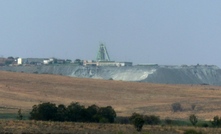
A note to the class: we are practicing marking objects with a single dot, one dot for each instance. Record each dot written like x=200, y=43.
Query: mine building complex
x=103, y=59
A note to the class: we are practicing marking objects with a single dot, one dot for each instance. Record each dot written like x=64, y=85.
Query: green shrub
x=216, y=121
x=108, y=113
x=152, y=120
x=193, y=119
x=176, y=107
x=205, y=125
x=103, y=120
x=137, y=120
x=168, y=121
x=19, y=116
x=138, y=123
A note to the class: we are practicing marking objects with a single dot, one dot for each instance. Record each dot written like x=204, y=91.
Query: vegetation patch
x=73, y=112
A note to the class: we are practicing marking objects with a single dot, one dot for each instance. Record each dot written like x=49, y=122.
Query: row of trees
x=216, y=122
x=73, y=112
x=138, y=120
x=79, y=113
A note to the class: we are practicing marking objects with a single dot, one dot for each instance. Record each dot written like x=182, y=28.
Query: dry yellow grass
x=41, y=127
x=20, y=90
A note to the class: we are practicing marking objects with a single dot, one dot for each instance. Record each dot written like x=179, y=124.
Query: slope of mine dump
x=199, y=74
x=22, y=90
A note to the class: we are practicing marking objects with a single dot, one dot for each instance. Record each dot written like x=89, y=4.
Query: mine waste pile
x=195, y=74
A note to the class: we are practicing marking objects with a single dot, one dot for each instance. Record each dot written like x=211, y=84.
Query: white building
x=48, y=61
x=19, y=61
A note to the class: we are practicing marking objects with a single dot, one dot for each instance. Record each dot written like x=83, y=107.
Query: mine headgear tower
x=102, y=54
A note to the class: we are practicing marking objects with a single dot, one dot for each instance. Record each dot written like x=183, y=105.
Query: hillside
x=21, y=90
x=194, y=74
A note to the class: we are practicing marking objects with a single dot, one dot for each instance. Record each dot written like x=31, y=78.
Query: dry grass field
x=20, y=90
x=41, y=127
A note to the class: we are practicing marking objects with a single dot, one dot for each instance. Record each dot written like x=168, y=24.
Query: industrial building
x=103, y=59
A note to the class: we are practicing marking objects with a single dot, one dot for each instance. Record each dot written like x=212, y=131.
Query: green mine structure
x=102, y=54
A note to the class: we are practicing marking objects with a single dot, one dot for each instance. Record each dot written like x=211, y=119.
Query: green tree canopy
x=137, y=120
x=73, y=112
x=45, y=111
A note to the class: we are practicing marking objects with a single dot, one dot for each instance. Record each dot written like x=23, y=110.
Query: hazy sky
x=142, y=31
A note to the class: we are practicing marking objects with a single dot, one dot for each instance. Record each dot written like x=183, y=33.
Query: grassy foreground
x=41, y=127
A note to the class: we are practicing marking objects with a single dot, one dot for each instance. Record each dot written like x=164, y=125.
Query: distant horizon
x=134, y=63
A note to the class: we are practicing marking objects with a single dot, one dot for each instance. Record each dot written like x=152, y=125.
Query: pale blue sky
x=142, y=31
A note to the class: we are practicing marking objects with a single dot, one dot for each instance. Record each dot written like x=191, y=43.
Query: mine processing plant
x=103, y=59
x=102, y=54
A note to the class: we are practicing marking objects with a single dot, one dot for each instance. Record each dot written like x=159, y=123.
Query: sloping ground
x=21, y=90
x=199, y=74
x=186, y=75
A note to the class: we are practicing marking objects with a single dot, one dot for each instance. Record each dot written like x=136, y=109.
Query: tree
x=20, y=116
x=34, y=114
x=108, y=113
x=75, y=112
x=138, y=123
x=9, y=60
x=91, y=113
x=61, y=113
x=45, y=112
x=216, y=121
x=137, y=120
x=193, y=119
x=176, y=107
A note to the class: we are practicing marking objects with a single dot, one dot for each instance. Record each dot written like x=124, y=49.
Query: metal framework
x=102, y=54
